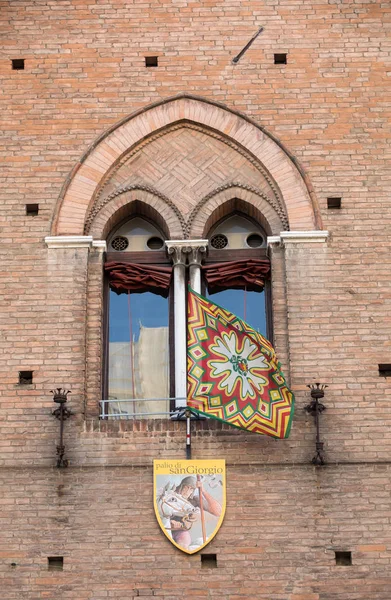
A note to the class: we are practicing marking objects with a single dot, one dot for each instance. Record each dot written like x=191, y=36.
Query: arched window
x=236, y=241
x=137, y=365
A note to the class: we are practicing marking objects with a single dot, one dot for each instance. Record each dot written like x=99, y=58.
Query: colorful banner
x=233, y=372
x=189, y=500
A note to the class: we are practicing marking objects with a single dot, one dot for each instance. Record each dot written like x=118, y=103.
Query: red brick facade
x=93, y=135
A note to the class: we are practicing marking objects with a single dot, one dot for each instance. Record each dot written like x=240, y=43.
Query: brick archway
x=87, y=176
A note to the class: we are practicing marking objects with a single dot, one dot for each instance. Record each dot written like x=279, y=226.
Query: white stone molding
x=298, y=237
x=273, y=239
x=69, y=241
x=75, y=241
x=99, y=245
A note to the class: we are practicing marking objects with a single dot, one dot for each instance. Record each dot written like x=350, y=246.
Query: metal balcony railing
x=143, y=408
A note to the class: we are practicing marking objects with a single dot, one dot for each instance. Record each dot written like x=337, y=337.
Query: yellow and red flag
x=233, y=372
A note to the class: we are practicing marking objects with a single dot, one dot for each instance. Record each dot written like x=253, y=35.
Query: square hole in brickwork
x=151, y=61
x=343, y=559
x=32, y=210
x=280, y=59
x=385, y=370
x=55, y=563
x=25, y=377
x=334, y=202
x=17, y=64
x=209, y=561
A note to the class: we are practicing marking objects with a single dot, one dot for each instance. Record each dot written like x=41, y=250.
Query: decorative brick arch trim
x=144, y=201
x=85, y=178
x=128, y=156
x=235, y=197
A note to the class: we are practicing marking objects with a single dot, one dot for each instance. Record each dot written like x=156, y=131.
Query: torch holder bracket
x=66, y=413
x=315, y=406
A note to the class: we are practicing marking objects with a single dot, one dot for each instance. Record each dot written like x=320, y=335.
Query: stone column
x=197, y=252
x=182, y=252
x=177, y=251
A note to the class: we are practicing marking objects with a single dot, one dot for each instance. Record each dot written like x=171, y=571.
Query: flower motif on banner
x=233, y=372
x=238, y=369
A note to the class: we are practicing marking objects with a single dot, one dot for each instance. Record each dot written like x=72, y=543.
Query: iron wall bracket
x=315, y=408
x=62, y=413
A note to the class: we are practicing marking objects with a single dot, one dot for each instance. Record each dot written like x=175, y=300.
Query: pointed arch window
x=237, y=271
x=137, y=357
x=139, y=366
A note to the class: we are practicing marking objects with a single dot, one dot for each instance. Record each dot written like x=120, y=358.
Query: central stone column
x=180, y=251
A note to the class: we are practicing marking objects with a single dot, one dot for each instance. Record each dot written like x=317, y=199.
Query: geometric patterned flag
x=233, y=372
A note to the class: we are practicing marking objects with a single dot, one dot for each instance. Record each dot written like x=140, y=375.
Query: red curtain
x=238, y=274
x=131, y=277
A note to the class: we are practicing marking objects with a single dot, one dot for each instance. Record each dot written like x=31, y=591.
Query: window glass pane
x=248, y=306
x=138, y=353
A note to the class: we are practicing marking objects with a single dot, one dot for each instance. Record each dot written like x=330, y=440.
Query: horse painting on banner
x=173, y=507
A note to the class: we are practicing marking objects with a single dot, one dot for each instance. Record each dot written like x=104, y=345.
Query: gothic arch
x=139, y=200
x=86, y=179
x=230, y=198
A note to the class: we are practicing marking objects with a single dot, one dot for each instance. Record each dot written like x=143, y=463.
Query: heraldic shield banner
x=189, y=500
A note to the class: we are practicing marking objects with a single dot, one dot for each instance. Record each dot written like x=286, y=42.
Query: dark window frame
x=150, y=257
x=226, y=255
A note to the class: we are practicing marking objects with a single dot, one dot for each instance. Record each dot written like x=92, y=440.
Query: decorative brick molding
x=105, y=154
x=123, y=168
x=120, y=204
x=235, y=196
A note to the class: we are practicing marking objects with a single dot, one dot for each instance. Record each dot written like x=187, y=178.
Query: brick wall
x=84, y=72
x=277, y=541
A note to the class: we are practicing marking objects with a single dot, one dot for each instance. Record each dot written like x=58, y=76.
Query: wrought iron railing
x=142, y=408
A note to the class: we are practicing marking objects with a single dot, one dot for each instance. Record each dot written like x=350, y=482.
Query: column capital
x=177, y=251
x=186, y=251
x=198, y=250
